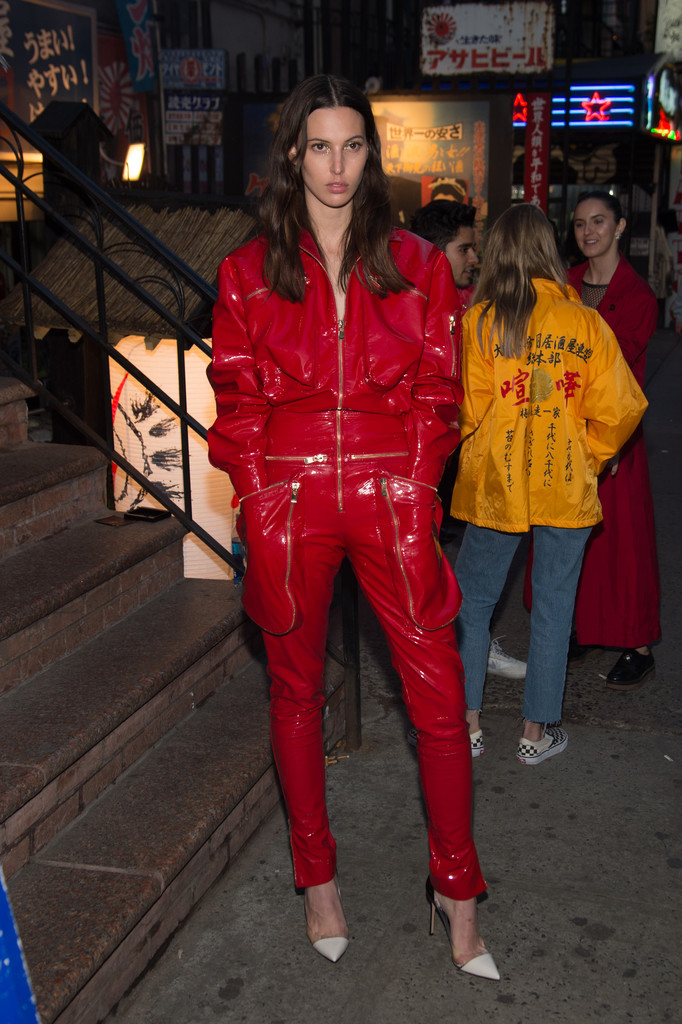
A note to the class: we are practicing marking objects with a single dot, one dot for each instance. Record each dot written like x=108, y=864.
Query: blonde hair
x=520, y=246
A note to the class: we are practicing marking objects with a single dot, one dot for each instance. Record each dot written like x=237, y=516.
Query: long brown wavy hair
x=282, y=208
x=520, y=246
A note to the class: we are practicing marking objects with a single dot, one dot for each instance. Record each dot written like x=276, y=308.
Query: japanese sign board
x=135, y=17
x=193, y=69
x=537, y=150
x=194, y=119
x=50, y=49
x=506, y=38
x=435, y=150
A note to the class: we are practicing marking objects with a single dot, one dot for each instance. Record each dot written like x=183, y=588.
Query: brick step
x=97, y=904
x=59, y=593
x=70, y=731
x=13, y=412
x=44, y=487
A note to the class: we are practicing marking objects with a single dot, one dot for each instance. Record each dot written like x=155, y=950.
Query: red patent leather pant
x=342, y=515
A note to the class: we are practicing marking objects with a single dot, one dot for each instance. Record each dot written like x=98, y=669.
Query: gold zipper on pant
x=294, y=498
x=387, y=496
x=399, y=553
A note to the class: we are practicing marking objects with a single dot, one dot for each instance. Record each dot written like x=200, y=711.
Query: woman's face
x=334, y=158
x=596, y=228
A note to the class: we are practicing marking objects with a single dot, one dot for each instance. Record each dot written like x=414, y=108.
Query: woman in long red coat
x=618, y=599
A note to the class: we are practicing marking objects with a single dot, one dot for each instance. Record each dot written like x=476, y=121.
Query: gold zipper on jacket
x=307, y=460
x=377, y=455
x=453, y=329
x=339, y=489
x=340, y=337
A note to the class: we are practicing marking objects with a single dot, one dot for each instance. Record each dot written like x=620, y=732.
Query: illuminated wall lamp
x=132, y=165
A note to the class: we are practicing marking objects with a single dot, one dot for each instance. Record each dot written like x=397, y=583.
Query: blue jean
x=481, y=569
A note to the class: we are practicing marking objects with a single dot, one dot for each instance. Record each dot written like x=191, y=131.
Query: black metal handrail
x=95, y=206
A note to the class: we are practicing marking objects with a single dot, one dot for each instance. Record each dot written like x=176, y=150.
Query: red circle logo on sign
x=190, y=69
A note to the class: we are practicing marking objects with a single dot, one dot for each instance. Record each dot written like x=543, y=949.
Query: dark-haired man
x=449, y=226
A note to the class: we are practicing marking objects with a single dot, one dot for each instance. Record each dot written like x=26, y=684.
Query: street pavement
x=582, y=854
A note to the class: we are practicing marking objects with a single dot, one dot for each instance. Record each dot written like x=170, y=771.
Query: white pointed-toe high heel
x=333, y=949
x=482, y=966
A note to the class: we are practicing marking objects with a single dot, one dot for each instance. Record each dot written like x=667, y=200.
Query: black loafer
x=630, y=670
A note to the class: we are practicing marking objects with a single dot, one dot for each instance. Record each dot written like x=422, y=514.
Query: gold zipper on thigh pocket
x=398, y=549
x=287, y=576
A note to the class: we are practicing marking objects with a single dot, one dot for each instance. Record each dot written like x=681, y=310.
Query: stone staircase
x=134, y=749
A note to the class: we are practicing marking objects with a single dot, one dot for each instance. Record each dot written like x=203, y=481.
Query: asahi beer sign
x=466, y=39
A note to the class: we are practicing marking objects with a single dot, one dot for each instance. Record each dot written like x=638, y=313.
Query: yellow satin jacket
x=537, y=430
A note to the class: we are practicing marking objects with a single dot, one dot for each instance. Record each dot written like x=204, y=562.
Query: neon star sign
x=596, y=108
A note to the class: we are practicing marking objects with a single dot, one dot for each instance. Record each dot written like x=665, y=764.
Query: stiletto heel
x=482, y=966
x=333, y=947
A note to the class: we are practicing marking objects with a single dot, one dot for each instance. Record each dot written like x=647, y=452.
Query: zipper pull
x=342, y=328
x=384, y=487
x=294, y=490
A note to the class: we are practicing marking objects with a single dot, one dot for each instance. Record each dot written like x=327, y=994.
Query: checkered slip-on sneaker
x=477, y=745
x=553, y=742
x=476, y=738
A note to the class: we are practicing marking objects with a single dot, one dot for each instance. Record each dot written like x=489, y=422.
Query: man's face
x=461, y=253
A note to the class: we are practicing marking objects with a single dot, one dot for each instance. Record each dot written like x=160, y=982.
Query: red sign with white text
x=536, y=180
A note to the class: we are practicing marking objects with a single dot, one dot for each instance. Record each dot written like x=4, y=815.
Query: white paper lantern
x=147, y=434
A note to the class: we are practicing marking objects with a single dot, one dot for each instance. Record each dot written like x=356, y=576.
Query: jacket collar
x=544, y=284
x=307, y=242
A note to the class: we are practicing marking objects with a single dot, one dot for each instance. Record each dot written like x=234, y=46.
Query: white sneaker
x=501, y=664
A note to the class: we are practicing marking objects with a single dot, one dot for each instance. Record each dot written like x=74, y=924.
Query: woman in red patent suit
x=618, y=598
x=336, y=345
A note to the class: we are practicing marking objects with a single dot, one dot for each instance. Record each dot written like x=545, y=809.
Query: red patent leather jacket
x=396, y=356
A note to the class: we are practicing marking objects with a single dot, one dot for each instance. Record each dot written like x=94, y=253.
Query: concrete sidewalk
x=582, y=854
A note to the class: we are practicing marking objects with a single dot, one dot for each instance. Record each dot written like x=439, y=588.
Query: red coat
x=618, y=599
